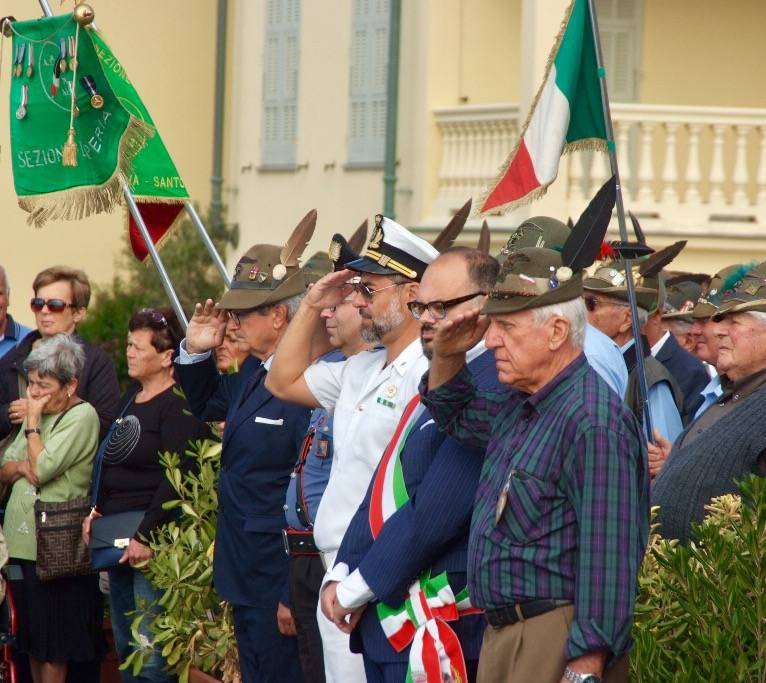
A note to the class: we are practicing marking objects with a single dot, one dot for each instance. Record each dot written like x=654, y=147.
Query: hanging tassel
x=70, y=150
x=69, y=157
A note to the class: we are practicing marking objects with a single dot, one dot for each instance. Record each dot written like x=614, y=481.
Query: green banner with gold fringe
x=70, y=162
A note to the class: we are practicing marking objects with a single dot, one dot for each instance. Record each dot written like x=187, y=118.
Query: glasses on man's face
x=364, y=290
x=593, y=302
x=438, y=309
x=236, y=316
x=54, y=305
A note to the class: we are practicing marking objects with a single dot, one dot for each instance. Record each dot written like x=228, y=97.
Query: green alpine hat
x=268, y=274
x=747, y=294
x=609, y=278
x=533, y=278
x=683, y=292
x=710, y=300
x=318, y=265
x=542, y=232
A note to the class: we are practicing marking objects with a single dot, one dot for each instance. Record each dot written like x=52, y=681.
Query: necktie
x=252, y=383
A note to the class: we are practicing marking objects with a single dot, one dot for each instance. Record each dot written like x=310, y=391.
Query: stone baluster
x=623, y=156
x=646, y=168
x=717, y=174
x=448, y=156
x=693, y=173
x=740, y=176
x=670, y=168
x=760, y=181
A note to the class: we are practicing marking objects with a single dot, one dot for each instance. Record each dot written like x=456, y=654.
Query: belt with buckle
x=520, y=611
x=299, y=542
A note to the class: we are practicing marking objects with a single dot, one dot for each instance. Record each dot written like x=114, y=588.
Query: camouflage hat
x=683, y=292
x=542, y=232
x=747, y=294
x=533, y=278
x=710, y=300
x=267, y=274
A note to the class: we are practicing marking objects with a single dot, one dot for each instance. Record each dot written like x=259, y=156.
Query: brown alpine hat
x=747, y=294
x=610, y=279
x=268, y=274
x=683, y=292
x=542, y=232
x=533, y=277
x=710, y=300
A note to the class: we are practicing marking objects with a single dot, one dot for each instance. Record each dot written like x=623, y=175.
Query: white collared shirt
x=367, y=398
x=660, y=343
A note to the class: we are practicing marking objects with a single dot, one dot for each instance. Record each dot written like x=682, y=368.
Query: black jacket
x=97, y=383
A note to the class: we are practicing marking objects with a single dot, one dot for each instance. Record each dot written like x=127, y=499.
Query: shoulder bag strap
x=99, y=459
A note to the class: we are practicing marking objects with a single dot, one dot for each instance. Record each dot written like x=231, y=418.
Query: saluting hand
x=330, y=290
x=456, y=336
x=206, y=328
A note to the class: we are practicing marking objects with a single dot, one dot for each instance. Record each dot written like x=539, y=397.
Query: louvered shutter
x=367, y=97
x=620, y=30
x=280, y=82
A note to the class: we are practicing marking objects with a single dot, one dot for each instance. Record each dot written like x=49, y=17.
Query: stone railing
x=683, y=169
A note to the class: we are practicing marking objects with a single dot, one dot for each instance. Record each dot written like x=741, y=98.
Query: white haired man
x=561, y=514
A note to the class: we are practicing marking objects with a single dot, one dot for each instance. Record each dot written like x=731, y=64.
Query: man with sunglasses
x=368, y=393
x=427, y=534
x=260, y=445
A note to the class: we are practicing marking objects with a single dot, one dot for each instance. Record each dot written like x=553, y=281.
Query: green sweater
x=64, y=469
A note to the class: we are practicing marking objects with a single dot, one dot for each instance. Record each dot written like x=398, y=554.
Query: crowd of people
x=437, y=464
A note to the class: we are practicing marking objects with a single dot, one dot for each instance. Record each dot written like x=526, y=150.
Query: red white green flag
x=566, y=115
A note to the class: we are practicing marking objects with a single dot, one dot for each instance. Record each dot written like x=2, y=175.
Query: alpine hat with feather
x=268, y=274
x=533, y=277
x=747, y=294
x=711, y=298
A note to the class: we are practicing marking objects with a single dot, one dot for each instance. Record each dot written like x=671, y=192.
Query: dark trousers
x=396, y=672
x=265, y=655
x=306, y=573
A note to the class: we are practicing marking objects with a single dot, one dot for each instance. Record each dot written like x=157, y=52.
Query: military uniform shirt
x=367, y=398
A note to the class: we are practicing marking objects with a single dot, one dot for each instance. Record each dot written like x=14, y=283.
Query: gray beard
x=373, y=330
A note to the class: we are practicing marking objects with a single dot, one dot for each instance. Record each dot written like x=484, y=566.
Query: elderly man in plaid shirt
x=561, y=516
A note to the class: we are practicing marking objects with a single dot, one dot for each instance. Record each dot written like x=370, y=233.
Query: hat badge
x=237, y=270
x=377, y=234
x=254, y=270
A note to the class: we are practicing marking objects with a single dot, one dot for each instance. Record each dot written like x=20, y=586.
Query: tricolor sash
x=435, y=655
x=422, y=619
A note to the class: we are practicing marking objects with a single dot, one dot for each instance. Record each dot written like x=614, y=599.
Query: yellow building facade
x=168, y=51
x=689, y=111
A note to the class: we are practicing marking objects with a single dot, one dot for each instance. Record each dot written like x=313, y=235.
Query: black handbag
x=110, y=534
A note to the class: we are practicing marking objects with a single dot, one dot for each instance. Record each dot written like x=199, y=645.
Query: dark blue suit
x=688, y=371
x=260, y=443
x=430, y=531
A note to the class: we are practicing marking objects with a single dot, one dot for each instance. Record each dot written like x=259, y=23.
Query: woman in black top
x=155, y=419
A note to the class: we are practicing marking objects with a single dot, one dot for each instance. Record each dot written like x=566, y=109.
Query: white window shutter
x=368, y=81
x=280, y=82
x=619, y=24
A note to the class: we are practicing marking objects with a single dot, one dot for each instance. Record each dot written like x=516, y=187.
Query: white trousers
x=340, y=664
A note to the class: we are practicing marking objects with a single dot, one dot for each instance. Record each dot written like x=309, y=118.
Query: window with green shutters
x=280, y=82
x=367, y=96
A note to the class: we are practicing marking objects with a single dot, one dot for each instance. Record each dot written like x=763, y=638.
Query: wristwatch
x=33, y=430
x=572, y=675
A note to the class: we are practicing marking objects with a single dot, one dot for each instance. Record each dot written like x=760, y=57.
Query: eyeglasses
x=438, y=309
x=237, y=316
x=365, y=291
x=54, y=305
x=593, y=302
x=156, y=316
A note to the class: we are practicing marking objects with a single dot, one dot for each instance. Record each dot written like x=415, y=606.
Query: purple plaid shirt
x=576, y=521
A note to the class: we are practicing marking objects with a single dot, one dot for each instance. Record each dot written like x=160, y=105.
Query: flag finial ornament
x=83, y=14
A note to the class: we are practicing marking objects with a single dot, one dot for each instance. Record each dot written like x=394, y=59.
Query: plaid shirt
x=576, y=521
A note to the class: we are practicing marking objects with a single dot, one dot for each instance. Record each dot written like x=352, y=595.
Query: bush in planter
x=196, y=628
x=701, y=608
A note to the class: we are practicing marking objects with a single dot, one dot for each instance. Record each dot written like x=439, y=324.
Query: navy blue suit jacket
x=260, y=445
x=688, y=371
x=429, y=532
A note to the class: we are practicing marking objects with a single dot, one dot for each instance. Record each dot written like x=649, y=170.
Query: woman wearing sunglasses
x=155, y=418
x=61, y=298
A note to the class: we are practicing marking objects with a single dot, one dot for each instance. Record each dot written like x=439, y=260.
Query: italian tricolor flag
x=566, y=115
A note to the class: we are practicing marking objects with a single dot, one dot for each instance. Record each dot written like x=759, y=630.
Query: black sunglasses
x=54, y=305
x=438, y=309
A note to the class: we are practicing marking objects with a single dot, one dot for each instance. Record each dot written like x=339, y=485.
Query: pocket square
x=269, y=421
x=425, y=424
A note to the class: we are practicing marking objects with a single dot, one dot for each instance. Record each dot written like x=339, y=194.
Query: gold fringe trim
x=540, y=191
x=81, y=202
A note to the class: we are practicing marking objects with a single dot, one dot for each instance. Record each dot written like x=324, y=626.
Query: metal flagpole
x=208, y=243
x=642, y=387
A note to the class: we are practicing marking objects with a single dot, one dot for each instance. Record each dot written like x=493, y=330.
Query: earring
x=68, y=394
